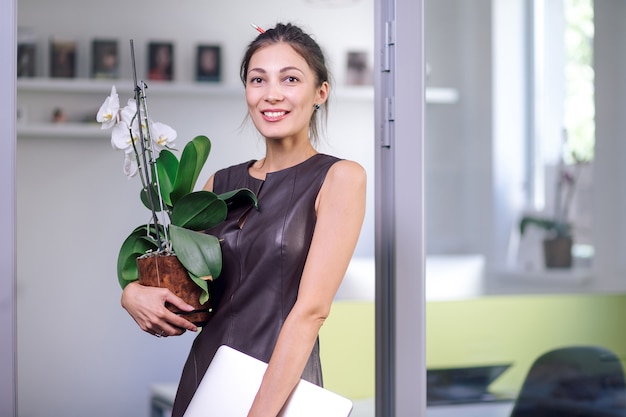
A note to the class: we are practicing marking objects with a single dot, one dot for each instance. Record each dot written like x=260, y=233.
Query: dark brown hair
x=304, y=45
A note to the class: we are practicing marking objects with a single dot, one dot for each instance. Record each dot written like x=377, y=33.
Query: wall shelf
x=39, y=96
x=103, y=86
x=79, y=91
x=63, y=130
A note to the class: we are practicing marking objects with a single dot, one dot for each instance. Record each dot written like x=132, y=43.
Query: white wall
x=79, y=353
x=458, y=135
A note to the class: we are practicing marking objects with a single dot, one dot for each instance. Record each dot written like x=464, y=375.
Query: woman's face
x=281, y=92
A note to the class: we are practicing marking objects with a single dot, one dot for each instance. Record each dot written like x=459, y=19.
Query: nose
x=274, y=92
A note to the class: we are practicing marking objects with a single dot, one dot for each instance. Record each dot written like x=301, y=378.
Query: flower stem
x=146, y=173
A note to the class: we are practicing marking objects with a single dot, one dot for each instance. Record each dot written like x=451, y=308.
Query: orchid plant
x=559, y=224
x=179, y=215
x=125, y=131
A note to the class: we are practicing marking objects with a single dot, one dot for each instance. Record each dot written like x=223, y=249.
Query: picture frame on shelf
x=161, y=61
x=26, y=58
x=104, y=58
x=358, y=71
x=26, y=52
x=208, y=63
x=63, y=55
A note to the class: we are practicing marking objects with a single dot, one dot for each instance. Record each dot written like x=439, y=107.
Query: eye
x=290, y=79
x=255, y=80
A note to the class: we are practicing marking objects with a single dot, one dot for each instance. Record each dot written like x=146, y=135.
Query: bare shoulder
x=346, y=172
x=345, y=182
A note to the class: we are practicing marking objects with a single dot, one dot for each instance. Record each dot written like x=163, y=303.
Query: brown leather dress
x=264, y=252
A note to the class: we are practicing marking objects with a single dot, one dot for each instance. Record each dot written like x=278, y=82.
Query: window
x=579, y=78
x=562, y=109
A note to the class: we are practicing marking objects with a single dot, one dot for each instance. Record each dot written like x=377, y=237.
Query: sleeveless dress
x=263, y=252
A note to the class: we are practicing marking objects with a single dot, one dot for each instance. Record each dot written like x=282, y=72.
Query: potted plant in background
x=171, y=250
x=558, y=240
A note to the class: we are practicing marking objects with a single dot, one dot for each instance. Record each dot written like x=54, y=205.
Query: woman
x=284, y=262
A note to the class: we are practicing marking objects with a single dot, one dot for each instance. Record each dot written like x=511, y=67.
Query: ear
x=322, y=93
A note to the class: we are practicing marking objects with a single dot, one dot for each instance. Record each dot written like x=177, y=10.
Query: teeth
x=274, y=114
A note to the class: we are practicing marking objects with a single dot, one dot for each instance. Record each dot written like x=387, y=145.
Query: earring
x=317, y=106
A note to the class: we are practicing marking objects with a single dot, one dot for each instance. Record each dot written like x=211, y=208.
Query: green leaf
x=557, y=227
x=145, y=199
x=199, y=253
x=167, y=167
x=204, y=296
x=240, y=195
x=192, y=160
x=136, y=244
x=199, y=210
x=127, y=270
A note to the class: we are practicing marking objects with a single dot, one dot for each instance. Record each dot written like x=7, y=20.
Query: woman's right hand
x=146, y=305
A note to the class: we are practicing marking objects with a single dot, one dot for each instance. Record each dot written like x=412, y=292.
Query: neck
x=282, y=154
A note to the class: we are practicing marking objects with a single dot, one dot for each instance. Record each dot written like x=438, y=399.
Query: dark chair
x=579, y=381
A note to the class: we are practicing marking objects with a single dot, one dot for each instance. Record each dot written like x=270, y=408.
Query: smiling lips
x=273, y=116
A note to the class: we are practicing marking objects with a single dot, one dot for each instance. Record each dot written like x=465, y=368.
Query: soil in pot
x=166, y=271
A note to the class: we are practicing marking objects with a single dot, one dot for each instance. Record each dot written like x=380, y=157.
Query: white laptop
x=230, y=384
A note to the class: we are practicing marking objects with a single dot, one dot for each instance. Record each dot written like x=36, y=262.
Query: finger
x=175, y=319
x=174, y=322
x=169, y=328
x=173, y=299
x=171, y=331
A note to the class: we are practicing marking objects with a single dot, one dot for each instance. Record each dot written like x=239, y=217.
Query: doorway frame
x=399, y=188
x=8, y=277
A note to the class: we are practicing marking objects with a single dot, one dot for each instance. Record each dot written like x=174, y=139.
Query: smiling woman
x=215, y=109
x=311, y=69
x=283, y=93
x=270, y=301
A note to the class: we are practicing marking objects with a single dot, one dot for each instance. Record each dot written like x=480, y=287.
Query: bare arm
x=340, y=213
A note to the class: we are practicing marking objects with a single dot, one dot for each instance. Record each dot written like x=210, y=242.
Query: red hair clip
x=257, y=28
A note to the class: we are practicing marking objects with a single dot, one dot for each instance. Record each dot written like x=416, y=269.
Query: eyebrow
x=282, y=70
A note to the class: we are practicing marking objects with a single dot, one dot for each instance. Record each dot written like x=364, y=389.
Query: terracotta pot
x=558, y=252
x=166, y=271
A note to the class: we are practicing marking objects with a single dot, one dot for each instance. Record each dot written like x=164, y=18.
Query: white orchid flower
x=130, y=164
x=125, y=132
x=121, y=138
x=162, y=135
x=129, y=112
x=108, y=112
x=129, y=115
x=135, y=130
